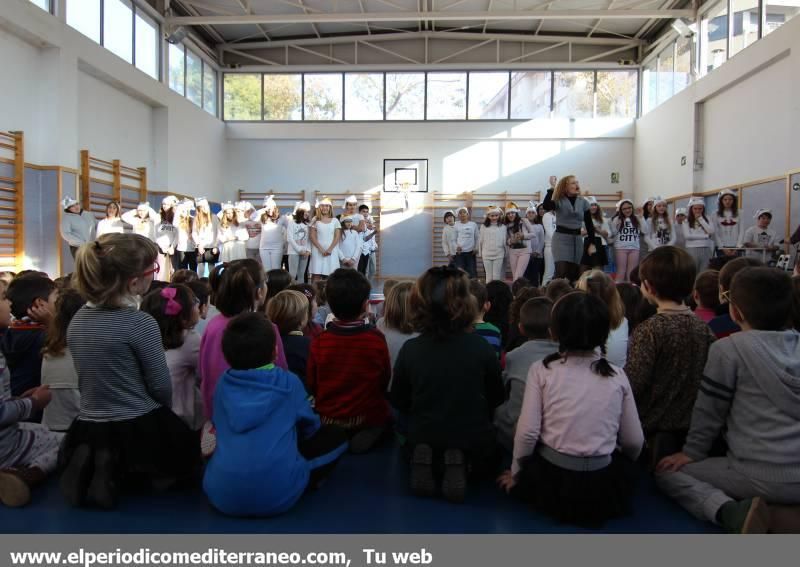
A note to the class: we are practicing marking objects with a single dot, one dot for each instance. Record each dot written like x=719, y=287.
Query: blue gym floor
x=365, y=494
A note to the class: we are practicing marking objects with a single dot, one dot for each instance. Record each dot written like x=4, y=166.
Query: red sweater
x=348, y=373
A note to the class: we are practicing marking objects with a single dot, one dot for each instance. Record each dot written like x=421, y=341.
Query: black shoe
x=76, y=476
x=454, y=481
x=365, y=440
x=102, y=490
x=422, y=482
x=745, y=516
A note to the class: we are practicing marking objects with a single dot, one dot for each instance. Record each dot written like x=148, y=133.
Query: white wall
x=111, y=123
x=67, y=94
x=742, y=119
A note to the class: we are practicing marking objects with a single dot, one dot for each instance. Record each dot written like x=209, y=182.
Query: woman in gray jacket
x=77, y=225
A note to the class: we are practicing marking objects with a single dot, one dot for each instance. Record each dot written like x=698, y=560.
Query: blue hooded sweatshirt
x=256, y=469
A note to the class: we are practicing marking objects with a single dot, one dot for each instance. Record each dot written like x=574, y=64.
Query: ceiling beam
x=439, y=35
x=508, y=15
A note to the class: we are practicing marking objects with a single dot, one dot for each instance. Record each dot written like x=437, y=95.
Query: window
x=683, y=63
x=322, y=96
x=447, y=96
x=194, y=78
x=616, y=94
x=779, y=12
x=530, y=94
x=43, y=4
x=363, y=96
x=146, y=44
x=283, y=97
x=176, y=69
x=650, y=86
x=488, y=96
x=209, y=89
x=714, y=38
x=405, y=96
x=118, y=28
x=84, y=16
x=242, y=97
x=666, y=68
x=574, y=94
x=745, y=24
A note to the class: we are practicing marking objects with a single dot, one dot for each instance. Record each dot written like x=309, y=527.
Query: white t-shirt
x=466, y=235
x=626, y=236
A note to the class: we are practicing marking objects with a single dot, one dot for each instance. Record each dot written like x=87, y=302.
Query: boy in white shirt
x=466, y=243
x=760, y=236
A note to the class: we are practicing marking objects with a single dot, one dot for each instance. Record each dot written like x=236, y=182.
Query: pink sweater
x=571, y=409
x=212, y=364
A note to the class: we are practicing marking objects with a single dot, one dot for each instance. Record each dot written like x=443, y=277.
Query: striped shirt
x=122, y=369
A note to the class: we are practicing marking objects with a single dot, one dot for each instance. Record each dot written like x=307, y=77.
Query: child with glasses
x=126, y=432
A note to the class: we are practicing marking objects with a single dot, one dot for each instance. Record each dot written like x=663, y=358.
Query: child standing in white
x=299, y=244
x=232, y=237
x=204, y=234
x=660, y=231
x=535, y=268
x=77, y=225
x=449, y=237
x=760, y=237
x=144, y=220
x=549, y=226
x=680, y=220
x=492, y=244
x=466, y=243
x=113, y=221
x=253, y=226
x=166, y=238
x=350, y=246
x=698, y=233
x=727, y=227
x=273, y=235
x=626, y=228
x=325, y=236
x=367, y=264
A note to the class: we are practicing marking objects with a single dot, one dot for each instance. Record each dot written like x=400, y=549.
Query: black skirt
x=208, y=256
x=596, y=260
x=155, y=446
x=582, y=498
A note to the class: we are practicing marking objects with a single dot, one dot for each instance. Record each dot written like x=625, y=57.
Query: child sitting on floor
x=348, y=364
x=447, y=383
x=486, y=330
x=28, y=451
x=289, y=311
x=723, y=325
x=33, y=298
x=667, y=352
x=58, y=368
x=126, y=434
x=534, y=324
x=577, y=409
x=750, y=394
x=258, y=404
x=706, y=295
x=175, y=308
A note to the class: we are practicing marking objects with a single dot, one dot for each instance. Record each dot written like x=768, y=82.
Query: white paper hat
x=623, y=201
x=448, y=212
x=243, y=206
x=647, y=200
x=724, y=192
x=185, y=206
x=269, y=202
x=169, y=201
x=143, y=207
x=532, y=206
x=323, y=201
x=695, y=201
x=592, y=199
x=659, y=199
x=680, y=211
x=459, y=209
x=351, y=199
x=201, y=202
x=493, y=210
x=760, y=212
x=67, y=202
x=303, y=206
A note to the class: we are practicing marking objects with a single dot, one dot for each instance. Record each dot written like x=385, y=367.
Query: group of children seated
x=246, y=384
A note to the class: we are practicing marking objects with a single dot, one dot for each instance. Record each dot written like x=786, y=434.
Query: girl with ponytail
x=237, y=287
x=577, y=409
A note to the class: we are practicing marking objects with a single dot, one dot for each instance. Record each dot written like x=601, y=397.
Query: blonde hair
x=202, y=218
x=561, y=188
x=599, y=284
x=388, y=284
x=225, y=223
x=105, y=267
x=318, y=212
x=288, y=310
x=396, y=313
x=185, y=220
